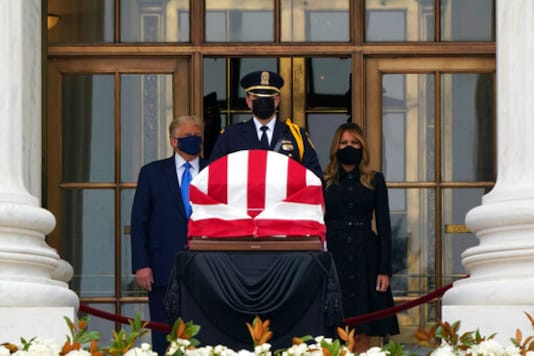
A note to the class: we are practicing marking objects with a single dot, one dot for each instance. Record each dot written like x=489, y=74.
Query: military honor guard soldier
x=264, y=130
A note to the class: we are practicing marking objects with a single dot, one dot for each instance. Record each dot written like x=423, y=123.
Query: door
x=106, y=118
x=431, y=127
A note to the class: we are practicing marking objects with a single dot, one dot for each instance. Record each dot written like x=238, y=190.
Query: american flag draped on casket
x=256, y=193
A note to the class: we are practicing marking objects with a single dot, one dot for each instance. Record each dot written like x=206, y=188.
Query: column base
x=489, y=319
x=29, y=322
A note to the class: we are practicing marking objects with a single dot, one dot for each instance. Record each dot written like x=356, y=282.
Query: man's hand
x=144, y=278
x=382, y=282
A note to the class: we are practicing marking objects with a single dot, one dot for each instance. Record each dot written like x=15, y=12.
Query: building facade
x=417, y=75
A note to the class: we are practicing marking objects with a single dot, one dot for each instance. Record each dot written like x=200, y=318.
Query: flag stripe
x=298, y=177
x=237, y=180
x=257, y=164
x=276, y=172
x=268, y=228
x=217, y=178
x=217, y=228
x=293, y=211
x=223, y=211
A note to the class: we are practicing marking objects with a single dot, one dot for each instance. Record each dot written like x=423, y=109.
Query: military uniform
x=243, y=136
x=288, y=138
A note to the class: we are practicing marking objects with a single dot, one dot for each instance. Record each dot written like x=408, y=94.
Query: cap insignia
x=264, y=78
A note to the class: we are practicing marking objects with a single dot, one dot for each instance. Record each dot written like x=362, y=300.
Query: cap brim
x=261, y=90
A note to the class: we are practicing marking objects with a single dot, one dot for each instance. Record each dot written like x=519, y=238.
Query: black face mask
x=263, y=107
x=350, y=155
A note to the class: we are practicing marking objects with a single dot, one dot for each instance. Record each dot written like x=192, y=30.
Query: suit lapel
x=249, y=135
x=172, y=181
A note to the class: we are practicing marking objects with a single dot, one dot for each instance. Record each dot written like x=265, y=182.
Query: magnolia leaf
x=423, y=335
x=518, y=335
x=456, y=325
x=528, y=340
x=192, y=329
x=343, y=333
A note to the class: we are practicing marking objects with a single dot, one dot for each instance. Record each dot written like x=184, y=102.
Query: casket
x=256, y=200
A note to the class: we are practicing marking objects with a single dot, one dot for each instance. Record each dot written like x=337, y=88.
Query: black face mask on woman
x=350, y=155
x=263, y=107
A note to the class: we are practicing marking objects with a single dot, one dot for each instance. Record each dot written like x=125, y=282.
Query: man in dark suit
x=264, y=130
x=160, y=214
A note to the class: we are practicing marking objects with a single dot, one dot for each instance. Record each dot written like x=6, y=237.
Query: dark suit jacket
x=158, y=222
x=243, y=136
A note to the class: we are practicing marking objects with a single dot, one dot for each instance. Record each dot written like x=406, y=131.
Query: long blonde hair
x=332, y=169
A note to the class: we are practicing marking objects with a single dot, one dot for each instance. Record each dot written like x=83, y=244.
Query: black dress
x=359, y=253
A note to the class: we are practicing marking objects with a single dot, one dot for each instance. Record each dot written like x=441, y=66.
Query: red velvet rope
x=355, y=320
x=122, y=319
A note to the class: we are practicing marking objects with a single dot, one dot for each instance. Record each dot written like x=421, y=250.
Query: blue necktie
x=264, y=140
x=184, y=187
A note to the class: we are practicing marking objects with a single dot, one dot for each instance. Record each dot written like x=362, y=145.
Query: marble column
x=34, y=295
x=501, y=268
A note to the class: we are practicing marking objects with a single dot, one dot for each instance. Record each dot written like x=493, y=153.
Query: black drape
x=221, y=291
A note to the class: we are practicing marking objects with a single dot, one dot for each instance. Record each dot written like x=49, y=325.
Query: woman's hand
x=382, y=282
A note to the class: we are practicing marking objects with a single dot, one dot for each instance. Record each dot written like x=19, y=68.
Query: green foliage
x=79, y=332
x=26, y=344
x=394, y=349
x=333, y=348
x=184, y=331
x=123, y=341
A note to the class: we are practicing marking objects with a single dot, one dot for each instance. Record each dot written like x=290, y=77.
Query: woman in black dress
x=353, y=193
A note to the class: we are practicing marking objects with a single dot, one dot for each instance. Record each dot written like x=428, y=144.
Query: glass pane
x=315, y=20
x=88, y=240
x=321, y=128
x=102, y=326
x=399, y=21
x=456, y=238
x=81, y=21
x=408, y=127
x=87, y=128
x=468, y=128
x=155, y=21
x=468, y=20
x=231, y=21
x=413, y=230
x=146, y=112
x=214, y=99
x=215, y=78
x=328, y=83
x=128, y=285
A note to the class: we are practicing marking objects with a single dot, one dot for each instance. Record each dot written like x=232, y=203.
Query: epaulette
x=295, y=131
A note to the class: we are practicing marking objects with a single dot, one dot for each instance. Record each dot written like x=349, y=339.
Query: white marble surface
x=515, y=103
x=45, y=323
x=501, y=319
x=32, y=276
x=501, y=268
